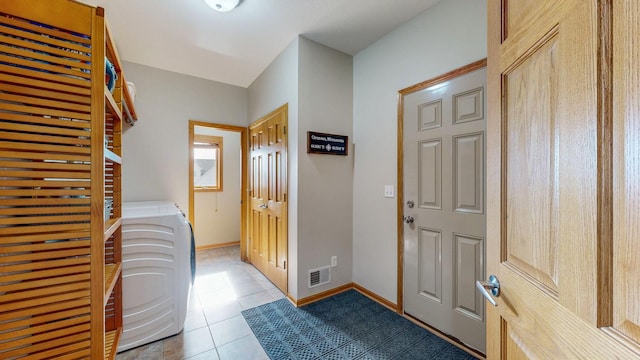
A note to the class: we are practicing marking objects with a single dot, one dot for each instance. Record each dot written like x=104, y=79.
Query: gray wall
x=449, y=35
x=316, y=82
x=325, y=181
x=156, y=150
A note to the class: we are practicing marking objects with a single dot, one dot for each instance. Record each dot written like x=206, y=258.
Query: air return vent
x=319, y=276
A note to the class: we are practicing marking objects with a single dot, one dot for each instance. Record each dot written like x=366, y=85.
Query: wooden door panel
x=551, y=203
x=626, y=178
x=530, y=136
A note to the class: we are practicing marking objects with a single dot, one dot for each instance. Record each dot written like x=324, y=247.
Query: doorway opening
x=217, y=184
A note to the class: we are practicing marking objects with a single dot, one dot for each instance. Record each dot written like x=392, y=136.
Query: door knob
x=489, y=289
x=263, y=206
x=408, y=219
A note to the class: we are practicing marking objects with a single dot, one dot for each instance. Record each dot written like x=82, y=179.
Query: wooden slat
x=61, y=235
x=54, y=343
x=47, y=31
x=48, y=103
x=49, y=121
x=43, y=111
x=42, y=156
x=112, y=338
x=42, y=319
x=49, y=327
x=44, y=174
x=43, y=229
x=43, y=246
x=41, y=66
x=42, y=283
x=43, y=57
x=69, y=149
x=45, y=183
x=42, y=138
x=41, y=274
x=53, y=79
x=40, y=192
x=38, y=46
x=37, y=265
x=77, y=305
x=44, y=201
x=46, y=94
x=49, y=255
x=49, y=41
x=35, y=297
x=44, y=210
x=43, y=84
x=40, y=305
x=44, y=165
x=76, y=351
x=67, y=15
x=44, y=219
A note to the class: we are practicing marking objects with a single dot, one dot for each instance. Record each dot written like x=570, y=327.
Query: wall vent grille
x=319, y=276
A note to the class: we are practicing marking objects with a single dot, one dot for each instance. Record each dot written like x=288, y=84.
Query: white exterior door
x=444, y=171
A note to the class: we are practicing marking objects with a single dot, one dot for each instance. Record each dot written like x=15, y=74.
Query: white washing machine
x=157, y=271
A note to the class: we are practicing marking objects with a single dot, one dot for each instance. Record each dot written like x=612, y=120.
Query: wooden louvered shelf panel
x=60, y=162
x=111, y=343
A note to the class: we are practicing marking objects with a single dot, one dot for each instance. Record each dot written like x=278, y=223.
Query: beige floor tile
x=247, y=347
x=226, y=331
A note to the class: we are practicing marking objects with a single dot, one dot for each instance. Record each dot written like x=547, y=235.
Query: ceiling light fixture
x=222, y=5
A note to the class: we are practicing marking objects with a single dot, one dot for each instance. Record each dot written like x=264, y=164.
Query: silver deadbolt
x=489, y=288
x=410, y=204
x=408, y=219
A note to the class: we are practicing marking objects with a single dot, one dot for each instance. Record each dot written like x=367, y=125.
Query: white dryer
x=157, y=270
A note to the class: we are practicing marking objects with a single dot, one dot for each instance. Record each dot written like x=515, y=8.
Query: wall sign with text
x=320, y=143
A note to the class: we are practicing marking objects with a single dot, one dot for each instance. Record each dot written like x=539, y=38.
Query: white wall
x=276, y=86
x=449, y=35
x=217, y=213
x=156, y=150
x=324, y=181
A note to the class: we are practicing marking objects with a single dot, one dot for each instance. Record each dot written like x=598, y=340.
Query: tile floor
x=215, y=329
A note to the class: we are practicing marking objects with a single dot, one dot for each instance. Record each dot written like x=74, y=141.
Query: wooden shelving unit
x=60, y=162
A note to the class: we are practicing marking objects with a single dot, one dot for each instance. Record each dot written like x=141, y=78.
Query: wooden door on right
x=563, y=186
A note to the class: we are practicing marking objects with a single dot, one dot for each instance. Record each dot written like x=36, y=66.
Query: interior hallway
x=214, y=328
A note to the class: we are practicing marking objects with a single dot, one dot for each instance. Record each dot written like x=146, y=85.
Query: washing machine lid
x=145, y=209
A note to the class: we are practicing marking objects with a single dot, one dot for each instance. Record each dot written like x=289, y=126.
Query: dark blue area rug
x=345, y=326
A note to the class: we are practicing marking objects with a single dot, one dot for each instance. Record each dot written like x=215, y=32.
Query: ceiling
x=188, y=37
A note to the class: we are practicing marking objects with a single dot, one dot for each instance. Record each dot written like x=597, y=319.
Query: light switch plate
x=389, y=191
